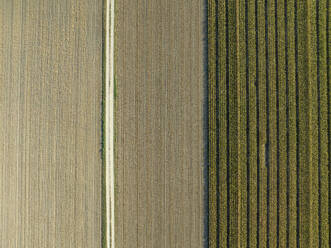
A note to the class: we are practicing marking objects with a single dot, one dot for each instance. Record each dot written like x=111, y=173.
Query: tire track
x=287, y=131
x=257, y=124
x=297, y=124
x=328, y=99
x=217, y=128
x=277, y=117
x=206, y=125
x=267, y=152
x=247, y=125
x=318, y=122
x=227, y=123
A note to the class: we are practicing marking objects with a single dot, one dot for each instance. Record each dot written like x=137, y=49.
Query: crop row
x=269, y=136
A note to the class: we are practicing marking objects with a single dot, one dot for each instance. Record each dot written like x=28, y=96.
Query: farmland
x=50, y=123
x=268, y=123
x=159, y=123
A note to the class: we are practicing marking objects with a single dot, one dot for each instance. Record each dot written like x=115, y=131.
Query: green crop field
x=269, y=123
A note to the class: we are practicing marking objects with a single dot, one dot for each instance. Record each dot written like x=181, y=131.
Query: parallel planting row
x=269, y=123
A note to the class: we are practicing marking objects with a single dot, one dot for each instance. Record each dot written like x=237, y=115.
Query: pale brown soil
x=159, y=123
x=50, y=123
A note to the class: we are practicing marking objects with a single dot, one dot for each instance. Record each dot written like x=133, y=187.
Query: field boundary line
x=109, y=130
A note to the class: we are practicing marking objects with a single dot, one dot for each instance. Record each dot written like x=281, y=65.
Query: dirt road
x=159, y=123
x=50, y=123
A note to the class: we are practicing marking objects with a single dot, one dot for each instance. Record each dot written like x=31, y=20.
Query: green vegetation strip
x=269, y=123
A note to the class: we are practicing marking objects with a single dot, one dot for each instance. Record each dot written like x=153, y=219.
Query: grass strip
x=272, y=138
x=302, y=124
x=224, y=221
x=212, y=124
x=244, y=151
x=261, y=106
x=313, y=124
x=253, y=130
x=282, y=107
x=292, y=132
x=232, y=85
x=324, y=153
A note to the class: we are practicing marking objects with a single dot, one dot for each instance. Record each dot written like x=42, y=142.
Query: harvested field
x=159, y=123
x=269, y=123
x=50, y=123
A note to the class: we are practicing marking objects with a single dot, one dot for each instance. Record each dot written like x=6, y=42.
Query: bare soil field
x=50, y=123
x=159, y=123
